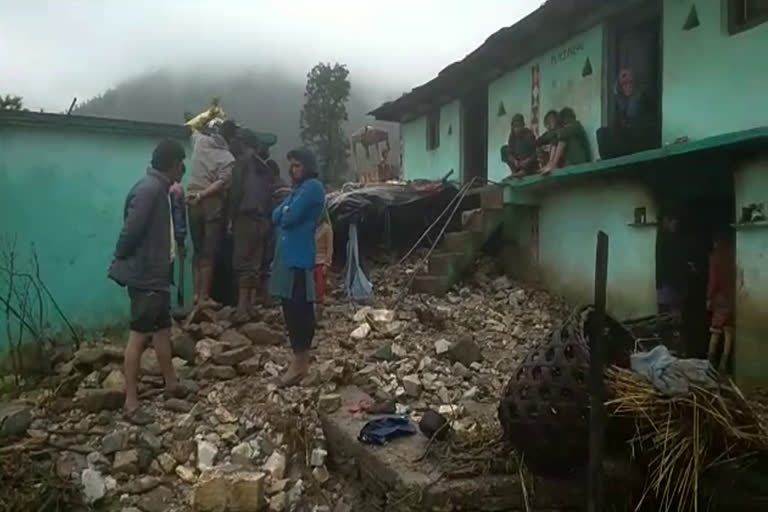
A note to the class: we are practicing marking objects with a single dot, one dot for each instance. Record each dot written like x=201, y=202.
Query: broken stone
x=115, y=441
x=329, y=404
x=295, y=494
x=149, y=363
x=412, y=385
x=391, y=329
x=211, y=330
x=460, y=370
x=250, y=366
x=14, y=419
x=151, y=441
x=178, y=405
x=186, y=473
x=218, y=372
x=156, y=500
x=398, y=351
x=470, y=393
x=70, y=465
x=361, y=332
x=206, y=455
x=127, y=462
x=141, y=485
x=234, y=339
x=98, y=462
x=205, y=349
x=182, y=450
x=318, y=457
x=275, y=465
x=242, y=492
x=115, y=380
x=183, y=346
x=242, y=454
x=442, y=346
x=224, y=416
x=95, y=400
x=321, y=474
x=465, y=351
x=94, y=485
x=361, y=314
x=247, y=493
x=91, y=380
x=384, y=353
x=167, y=462
x=262, y=335
x=278, y=502
x=87, y=359
x=233, y=357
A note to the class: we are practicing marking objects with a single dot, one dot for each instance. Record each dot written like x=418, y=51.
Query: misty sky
x=53, y=50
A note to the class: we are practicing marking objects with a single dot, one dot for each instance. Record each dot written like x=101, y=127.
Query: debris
x=115, y=380
x=234, y=339
x=329, y=404
x=361, y=332
x=275, y=465
x=94, y=485
x=206, y=455
x=178, y=405
x=186, y=473
x=412, y=385
x=167, y=462
x=14, y=419
x=126, y=461
x=95, y=400
x=218, y=491
x=114, y=442
x=321, y=474
x=433, y=424
x=278, y=502
x=262, y=335
x=218, y=372
x=183, y=346
x=465, y=351
x=318, y=457
x=442, y=346
x=233, y=357
x=251, y=366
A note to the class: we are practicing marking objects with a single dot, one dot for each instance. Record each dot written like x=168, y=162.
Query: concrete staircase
x=458, y=250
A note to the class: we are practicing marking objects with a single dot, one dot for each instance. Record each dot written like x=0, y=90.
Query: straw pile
x=681, y=437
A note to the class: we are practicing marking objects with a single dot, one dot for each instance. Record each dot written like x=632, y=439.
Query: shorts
x=321, y=278
x=722, y=315
x=206, y=226
x=250, y=234
x=150, y=310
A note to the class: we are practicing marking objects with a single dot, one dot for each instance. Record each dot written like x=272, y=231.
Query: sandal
x=138, y=416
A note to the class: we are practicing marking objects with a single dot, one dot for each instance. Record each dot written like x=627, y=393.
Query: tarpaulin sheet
x=373, y=199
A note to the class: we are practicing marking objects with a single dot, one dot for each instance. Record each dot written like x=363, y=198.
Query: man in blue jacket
x=142, y=261
x=292, y=280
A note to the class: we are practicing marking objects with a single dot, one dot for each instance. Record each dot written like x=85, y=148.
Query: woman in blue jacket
x=292, y=280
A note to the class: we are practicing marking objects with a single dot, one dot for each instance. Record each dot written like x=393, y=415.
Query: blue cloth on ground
x=670, y=375
x=380, y=431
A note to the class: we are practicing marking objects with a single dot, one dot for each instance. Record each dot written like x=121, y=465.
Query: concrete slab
x=398, y=482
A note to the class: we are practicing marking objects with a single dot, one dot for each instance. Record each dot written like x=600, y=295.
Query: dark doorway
x=475, y=134
x=636, y=46
x=702, y=201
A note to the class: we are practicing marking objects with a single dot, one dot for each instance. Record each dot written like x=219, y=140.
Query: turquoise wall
x=63, y=191
x=751, y=342
x=714, y=82
x=562, y=85
x=568, y=226
x=418, y=163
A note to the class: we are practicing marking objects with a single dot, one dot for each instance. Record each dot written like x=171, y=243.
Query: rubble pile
x=240, y=442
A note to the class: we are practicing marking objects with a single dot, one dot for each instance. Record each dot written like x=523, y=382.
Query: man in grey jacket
x=142, y=263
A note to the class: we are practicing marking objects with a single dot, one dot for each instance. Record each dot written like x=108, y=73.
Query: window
x=745, y=14
x=433, y=130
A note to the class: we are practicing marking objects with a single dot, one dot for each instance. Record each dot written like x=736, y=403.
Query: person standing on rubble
x=212, y=163
x=142, y=261
x=292, y=279
x=250, y=210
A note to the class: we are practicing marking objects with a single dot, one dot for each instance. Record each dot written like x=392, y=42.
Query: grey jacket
x=142, y=256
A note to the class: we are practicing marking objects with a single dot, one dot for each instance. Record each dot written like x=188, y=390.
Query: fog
x=54, y=50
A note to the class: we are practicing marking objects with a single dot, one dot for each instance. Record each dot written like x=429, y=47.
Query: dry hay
x=684, y=436
x=31, y=484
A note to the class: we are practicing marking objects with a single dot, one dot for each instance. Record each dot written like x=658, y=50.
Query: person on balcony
x=569, y=143
x=520, y=152
x=633, y=124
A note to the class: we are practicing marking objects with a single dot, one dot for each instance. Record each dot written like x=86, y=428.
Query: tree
x=10, y=102
x=323, y=115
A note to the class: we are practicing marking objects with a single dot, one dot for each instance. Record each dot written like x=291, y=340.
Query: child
x=323, y=260
x=720, y=297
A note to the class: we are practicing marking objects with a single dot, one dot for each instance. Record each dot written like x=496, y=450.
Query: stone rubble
x=233, y=444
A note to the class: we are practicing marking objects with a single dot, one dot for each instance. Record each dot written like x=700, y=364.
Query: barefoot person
x=142, y=262
x=292, y=279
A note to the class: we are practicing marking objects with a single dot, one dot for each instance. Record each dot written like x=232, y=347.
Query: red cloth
x=721, y=286
x=321, y=277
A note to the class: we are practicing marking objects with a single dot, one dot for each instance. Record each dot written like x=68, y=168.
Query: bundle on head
x=683, y=436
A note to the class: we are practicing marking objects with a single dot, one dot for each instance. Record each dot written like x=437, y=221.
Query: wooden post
x=597, y=384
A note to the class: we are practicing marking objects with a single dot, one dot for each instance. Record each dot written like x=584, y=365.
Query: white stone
x=94, y=486
x=243, y=450
x=275, y=465
x=321, y=474
x=399, y=351
x=361, y=314
x=278, y=502
x=382, y=315
x=186, y=473
x=206, y=455
x=442, y=346
x=318, y=457
x=361, y=332
x=412, y=385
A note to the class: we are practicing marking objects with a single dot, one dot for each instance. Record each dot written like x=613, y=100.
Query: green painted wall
x=568, y=226
x=751, y=342
x=64, y=190
x=418, y=163
x=714, y=82
x=562, y=84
